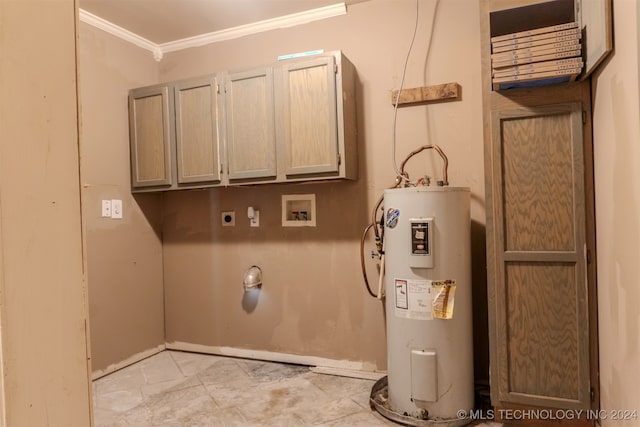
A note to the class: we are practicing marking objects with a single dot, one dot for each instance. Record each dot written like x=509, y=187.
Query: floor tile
x=331, y=411
x=192, y=363
x=288, y=396
x=180, y=389
x=222, y=371
x=360, y=419
x=160, y=368
x=120, y=400
x=239, y=392
x=171, y=385
x=338, y=386
x=129, y=378
x=186, y=406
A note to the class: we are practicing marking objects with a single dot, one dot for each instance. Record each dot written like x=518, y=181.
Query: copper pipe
x=445, y=177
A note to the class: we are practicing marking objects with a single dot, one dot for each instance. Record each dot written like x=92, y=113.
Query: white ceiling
x=164, y=21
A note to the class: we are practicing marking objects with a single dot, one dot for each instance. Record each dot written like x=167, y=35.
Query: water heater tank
x=428, y=303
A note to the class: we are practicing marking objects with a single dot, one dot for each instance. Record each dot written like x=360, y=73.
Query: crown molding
x=120, y=32
x=257, y=27
x=159, y=50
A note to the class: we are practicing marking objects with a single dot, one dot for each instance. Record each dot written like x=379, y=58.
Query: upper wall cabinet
x=197, y=136
x=294, y=120
x=310, y=137
x=151, y=136
x=251, y=135
x=318, y=118
x=174, y=135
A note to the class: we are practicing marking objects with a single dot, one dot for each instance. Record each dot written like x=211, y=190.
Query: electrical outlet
x=228, y=219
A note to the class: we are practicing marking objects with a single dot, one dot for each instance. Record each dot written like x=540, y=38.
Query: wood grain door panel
x=310, y=117
x=542, y=332
x=197, y=138
x=250, y=112
x=151, y=137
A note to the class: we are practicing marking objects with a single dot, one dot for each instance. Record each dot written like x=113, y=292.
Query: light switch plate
x=106, y=208
x=116, y=209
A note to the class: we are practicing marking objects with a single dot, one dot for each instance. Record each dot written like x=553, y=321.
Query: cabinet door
x=197, y=137
x=538, y=269
x=250, y=130
x=151, y=133
x=310, y=118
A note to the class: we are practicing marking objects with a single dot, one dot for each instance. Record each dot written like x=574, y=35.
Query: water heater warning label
x=414, y=299
x=444, y=292
x=401, y=294
x=425, y=299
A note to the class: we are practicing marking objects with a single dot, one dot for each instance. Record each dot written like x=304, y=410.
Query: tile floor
x=179, y=389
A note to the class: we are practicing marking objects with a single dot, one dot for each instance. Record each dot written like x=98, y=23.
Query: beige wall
x=313, y=300
x=43, y=313
x=616, y=112
x=321, y=309
x=318, y=309
x=124, y=257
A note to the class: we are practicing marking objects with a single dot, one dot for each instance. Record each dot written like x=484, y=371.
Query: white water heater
x=427, y=237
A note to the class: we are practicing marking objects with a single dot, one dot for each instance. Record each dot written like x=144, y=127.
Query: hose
x=364, y=270
x=379, y=245
x=381, y=278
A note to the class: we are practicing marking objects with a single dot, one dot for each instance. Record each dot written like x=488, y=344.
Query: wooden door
x=250, y=129
x=197, y=136
x=538, y=282
x=310, y=117
x=151, y=136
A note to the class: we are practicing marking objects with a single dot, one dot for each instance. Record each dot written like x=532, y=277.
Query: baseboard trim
x=319, y=364
x=365, y=375
x=128, y=361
